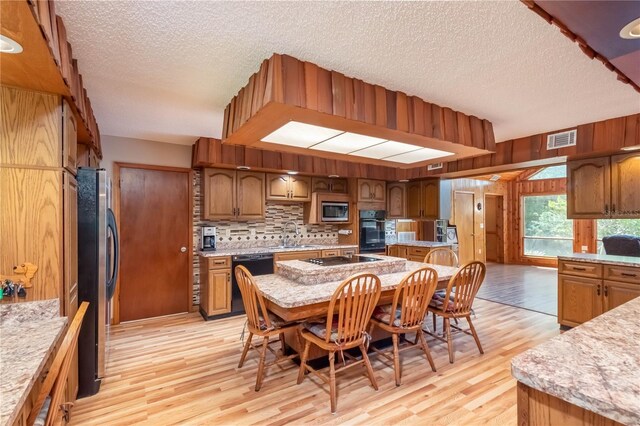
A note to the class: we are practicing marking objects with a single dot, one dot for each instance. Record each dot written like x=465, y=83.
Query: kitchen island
x=588, y=375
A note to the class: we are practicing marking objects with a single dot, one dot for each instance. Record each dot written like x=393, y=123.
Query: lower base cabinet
x=215, y=285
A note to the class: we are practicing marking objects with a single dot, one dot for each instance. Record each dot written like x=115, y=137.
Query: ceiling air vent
x=562, y=139
x=434, y=166
x=494, y=178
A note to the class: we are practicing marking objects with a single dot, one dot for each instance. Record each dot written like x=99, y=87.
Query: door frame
x=501, y=235
x=116, y=211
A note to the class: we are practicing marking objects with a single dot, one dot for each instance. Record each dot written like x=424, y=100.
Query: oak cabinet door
x=277, y=187
x=300, y=189
x=218, y=292
x=396, y=201
x=365, y=190
x=250, y=195
x=339, y=186
x=219, y=187
x=431, y=199
x=321, y=185
x=625, y=184
x=414, y=200
x=579, y=299
x=589, y=188
x=378, y=191
x=616, y=293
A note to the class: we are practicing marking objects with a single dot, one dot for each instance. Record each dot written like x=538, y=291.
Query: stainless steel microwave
x=335, y=211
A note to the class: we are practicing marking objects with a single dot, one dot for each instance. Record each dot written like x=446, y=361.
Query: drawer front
x=580, y=269
x=418, y=251
x=349, y=251
x=415, y=258
x=625, y=274
x=297, y=255
x=329, y=253
x=219, y=262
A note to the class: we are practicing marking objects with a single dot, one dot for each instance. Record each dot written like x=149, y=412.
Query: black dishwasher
x=257, y=264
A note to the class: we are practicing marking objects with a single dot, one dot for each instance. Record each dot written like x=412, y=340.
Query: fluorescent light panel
x=302, y=135
x=347, y=142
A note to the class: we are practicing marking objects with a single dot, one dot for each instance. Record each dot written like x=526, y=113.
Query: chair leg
x=396, y=358
x=332, y=381
x=435, y=324
x=283, y=344
x=427, y=352
x=447, y=330
x=247, y=345
x=303, y=361
x=367, y=364
x=475, y=335
x=263, y=355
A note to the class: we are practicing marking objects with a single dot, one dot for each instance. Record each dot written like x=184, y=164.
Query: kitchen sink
x=295, y=247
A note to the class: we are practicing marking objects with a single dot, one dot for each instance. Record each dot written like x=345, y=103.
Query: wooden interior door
x=155, y=241
x=464, y=205
x=493, y=215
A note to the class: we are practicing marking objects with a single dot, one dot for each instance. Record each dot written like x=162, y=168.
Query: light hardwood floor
x=182, y=370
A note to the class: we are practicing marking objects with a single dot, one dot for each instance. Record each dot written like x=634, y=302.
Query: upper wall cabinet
x=334, y=185
x=288, y=188
x=230, y=194
x=604, y=187
x=371, y=191
x=396, y=201
x=423, y=199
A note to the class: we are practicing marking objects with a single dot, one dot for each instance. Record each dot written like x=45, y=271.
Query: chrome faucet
x=285, y=239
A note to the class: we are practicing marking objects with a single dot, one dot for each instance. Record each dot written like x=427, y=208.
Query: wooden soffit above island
x=286, y=90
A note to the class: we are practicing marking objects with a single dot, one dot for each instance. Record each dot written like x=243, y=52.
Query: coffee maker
x=207, y=238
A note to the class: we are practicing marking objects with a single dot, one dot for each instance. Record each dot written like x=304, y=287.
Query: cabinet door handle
x=606, y=291
x=598, y=290
x=575, y=268
x=627, y=274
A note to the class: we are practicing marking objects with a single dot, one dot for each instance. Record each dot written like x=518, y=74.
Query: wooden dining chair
x=456, y=301
x=49, y=407
x=442, y=256
x=344, y=328
x=262, y=323
x=406, y=314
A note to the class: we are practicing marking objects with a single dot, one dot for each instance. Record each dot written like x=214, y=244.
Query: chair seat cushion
x=276, y=321
x=383, y=314
x=319, y=328
x=437, y=301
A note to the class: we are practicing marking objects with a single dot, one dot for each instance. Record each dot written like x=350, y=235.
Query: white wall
x=128, y=150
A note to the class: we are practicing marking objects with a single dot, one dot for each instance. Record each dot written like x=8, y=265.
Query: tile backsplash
x=256, y=233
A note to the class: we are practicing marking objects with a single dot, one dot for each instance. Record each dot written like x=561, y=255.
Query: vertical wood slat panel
x=380, y=106
x=359, y=100
x=450, y=126
x=464, y=129
x=325, y=92
x=311, y=85
x=632, y=130
x=338, y=90
x=477, y=132
x=369, y=103
x=402, y=118
x=349, y=107
x=421, y=122
x=392, y=119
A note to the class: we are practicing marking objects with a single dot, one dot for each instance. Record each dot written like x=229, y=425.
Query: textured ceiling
x=165, y=70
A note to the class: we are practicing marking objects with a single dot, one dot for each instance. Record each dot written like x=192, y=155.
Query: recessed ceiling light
x=347, y=142
x=334, y=176
x=243, y=168
x=403, y=180
x=301, y=135
x=292, y=172
x=631, y=148
x=423, y=154
x=631, y=30
x=8, y=45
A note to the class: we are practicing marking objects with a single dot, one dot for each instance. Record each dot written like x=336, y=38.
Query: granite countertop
x=290, y=294
x=594, y=366
x=603, y=258
x=421, y=244
x=29, y=332
x=310, y=273
x=276, y=249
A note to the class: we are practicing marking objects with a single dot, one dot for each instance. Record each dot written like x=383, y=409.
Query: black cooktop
x=341, y=260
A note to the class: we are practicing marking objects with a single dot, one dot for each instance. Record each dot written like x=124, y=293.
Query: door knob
x=183, y=249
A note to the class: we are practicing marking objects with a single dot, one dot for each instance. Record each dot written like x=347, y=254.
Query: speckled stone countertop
x=28, y=333
x=309, y=273
x=260, y=250
x=421, y=244
x=290, y=294
x=595, y=366
x=603, y=258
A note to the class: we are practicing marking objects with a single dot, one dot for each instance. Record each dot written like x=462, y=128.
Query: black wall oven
x=372, y=227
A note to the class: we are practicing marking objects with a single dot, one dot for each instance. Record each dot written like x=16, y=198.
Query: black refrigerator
x=98, y=252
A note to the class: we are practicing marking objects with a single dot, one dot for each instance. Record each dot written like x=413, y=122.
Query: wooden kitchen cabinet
x=587, y=289
x=396, y=201
x=230, y=194
x=69, y=138
x=625, y=181
x=288, y=188
x=349, y=251
x=423, y=199
x=294, y=255
x=215, y=285
x=334, y=185
x=371, y=191
x=70, y=273
x=593, y=174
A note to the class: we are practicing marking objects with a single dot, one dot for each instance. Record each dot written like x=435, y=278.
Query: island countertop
x=420, y=244
x=594, y=366
x=276, y=249
x=603, y=258
x=29, y=332
x=291, y=294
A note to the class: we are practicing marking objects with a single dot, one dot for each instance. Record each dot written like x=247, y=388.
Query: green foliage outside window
x=547, y=230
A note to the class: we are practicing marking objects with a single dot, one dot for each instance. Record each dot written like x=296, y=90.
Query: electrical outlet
x=252, y=232
x=228, y=232
x=585, y=249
